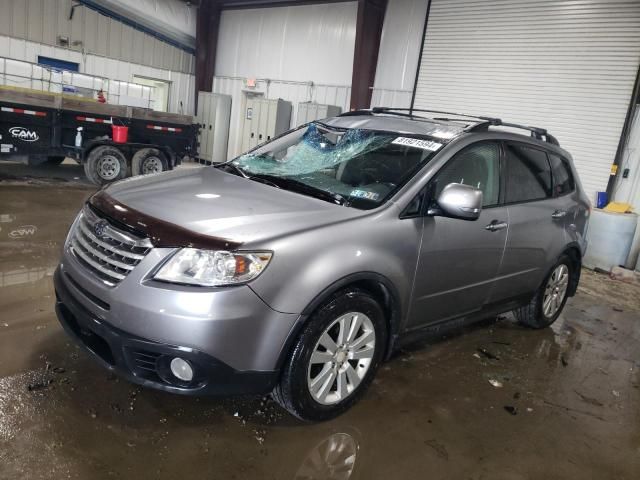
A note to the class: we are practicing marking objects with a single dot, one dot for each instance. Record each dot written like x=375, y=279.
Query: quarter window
x=528, y=174
x=563, y=182
x=477, y=166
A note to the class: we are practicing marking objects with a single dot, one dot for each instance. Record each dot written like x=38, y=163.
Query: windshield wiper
x=300, y=187
x=264, y=179
x=232, y=167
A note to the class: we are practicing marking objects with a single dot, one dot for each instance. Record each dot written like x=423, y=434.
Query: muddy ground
x=566, y=400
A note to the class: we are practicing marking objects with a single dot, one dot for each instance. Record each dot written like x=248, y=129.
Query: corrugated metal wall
x=42, y=21
x=182, y=84
x=399, y=52
x=566, y=65
x=298, y=53
x=303, y=43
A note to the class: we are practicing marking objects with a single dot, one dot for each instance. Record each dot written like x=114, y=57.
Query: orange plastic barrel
x=120, y=134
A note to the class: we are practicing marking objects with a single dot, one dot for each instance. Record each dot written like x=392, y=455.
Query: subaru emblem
x=99, y=228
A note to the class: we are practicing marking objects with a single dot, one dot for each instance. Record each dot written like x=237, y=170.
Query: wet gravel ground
x=495, y=401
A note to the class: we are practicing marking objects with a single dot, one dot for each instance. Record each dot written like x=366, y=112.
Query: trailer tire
x=105, y=164
x=147, y=161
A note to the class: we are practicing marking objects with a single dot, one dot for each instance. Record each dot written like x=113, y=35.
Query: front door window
x=477, y=166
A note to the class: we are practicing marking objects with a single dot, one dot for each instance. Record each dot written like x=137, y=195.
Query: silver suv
x=299, y=266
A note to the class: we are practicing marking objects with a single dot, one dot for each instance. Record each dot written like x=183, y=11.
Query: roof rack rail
x=421, y=110
x=400, y=111
x=355, y=113
x=481, y=123
x=537, y=133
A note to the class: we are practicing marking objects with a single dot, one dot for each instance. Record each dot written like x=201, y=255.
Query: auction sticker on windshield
x=417, y=143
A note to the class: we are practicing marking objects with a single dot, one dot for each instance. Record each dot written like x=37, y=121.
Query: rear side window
x=528, y=174
x=563, y=182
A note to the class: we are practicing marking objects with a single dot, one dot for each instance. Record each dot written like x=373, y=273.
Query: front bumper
x=146, y=362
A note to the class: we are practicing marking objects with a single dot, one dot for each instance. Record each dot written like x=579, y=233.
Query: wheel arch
x=574, y=253
x=377, y=285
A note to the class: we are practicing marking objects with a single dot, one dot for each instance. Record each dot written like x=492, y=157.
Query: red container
x=120, y=134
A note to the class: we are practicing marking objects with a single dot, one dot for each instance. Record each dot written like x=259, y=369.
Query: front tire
x=548, y=302
x=105, y=164
x=335, y=357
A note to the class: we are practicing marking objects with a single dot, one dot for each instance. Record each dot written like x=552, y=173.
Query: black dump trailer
x=38, y=127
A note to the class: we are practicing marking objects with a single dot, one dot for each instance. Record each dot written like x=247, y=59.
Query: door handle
x=558, y=214
x=495, y=226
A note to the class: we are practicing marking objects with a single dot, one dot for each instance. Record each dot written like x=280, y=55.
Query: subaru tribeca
x=299, y=266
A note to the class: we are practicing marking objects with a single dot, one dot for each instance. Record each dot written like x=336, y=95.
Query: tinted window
x=528, y=175
x=562, y=177
x=478, y=166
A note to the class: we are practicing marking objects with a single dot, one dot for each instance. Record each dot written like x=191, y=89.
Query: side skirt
x=444, y=326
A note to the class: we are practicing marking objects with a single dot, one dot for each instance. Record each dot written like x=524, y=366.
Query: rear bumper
x=146, y=362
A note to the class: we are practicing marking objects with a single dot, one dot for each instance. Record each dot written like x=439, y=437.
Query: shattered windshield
x=354, y=167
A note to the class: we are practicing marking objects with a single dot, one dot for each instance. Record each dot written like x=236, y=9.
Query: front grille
x=108, y=252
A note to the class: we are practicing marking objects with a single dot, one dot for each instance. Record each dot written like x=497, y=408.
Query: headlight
x=213, y=268
x=73, y=227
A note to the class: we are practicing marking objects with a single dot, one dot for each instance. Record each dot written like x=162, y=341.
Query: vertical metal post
x=369, y=23
x=423, y=40
x=624, y=135
x=207, y=26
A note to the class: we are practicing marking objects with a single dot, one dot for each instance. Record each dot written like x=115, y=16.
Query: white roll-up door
x=565, y=65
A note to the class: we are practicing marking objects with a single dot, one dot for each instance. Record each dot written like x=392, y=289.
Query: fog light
x=182, y=369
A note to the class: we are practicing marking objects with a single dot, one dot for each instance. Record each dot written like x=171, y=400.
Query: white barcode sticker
x=418, y=143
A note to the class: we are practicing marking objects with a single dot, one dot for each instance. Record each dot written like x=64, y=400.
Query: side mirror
x=460, y=201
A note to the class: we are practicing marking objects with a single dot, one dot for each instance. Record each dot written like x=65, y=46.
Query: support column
x=365, y=56
x=207, y=25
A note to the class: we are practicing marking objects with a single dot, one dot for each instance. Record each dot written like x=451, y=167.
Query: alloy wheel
x=341, y=358
x=555, y=290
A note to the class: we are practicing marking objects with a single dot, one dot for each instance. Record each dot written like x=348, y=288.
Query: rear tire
x=147, y=161
x=548, y=302
x=105, y=164
x=318, y=382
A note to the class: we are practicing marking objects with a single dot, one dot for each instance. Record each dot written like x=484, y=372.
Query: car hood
x=218, y=204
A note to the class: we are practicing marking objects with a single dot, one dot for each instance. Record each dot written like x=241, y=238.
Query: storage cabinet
x=264, y=119
x=308, y=112
x=213, y=117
